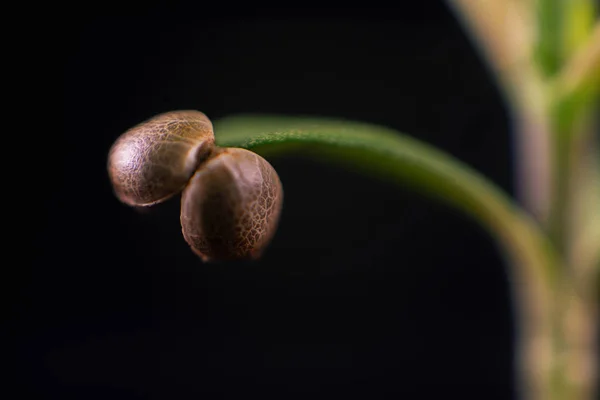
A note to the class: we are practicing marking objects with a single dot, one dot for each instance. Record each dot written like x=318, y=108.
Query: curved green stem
x=385, y=153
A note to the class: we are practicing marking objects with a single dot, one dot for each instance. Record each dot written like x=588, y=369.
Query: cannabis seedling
x=545, y=55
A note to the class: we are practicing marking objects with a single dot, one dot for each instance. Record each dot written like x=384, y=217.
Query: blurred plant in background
x=545, y=55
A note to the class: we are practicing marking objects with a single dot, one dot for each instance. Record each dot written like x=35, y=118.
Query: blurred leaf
x=548, y=41
x=580, y=77
x=579, y=17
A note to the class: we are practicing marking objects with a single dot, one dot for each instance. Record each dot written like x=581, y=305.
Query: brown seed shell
x=231, y=206
x=154, y=160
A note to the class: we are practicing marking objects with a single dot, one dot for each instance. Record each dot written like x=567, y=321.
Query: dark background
x=367, y=291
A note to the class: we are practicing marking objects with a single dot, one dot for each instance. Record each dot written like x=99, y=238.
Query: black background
x=367, y=291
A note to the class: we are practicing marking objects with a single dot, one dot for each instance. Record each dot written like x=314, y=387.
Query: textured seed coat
x=231, y=205
x=154, y=160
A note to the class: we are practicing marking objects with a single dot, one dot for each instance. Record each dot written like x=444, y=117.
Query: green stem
x=385, y=153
